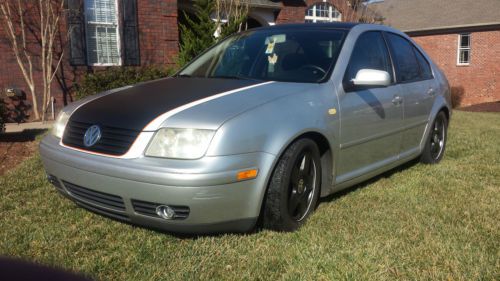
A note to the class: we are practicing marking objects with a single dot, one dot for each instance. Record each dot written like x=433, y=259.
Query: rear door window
x=407, y=66
x=425, y=68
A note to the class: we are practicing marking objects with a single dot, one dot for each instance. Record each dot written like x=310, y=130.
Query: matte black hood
x=133, y=108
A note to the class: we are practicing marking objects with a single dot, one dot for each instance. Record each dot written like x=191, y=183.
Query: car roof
x=330, y=25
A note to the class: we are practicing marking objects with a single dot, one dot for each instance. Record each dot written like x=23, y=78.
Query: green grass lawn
x=421, y=222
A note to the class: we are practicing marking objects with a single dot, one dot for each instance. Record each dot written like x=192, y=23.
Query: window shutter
x=76, y=30
x=130, y=36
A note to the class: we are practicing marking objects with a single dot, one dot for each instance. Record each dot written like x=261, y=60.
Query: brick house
x=113, y=33
x=461, y=36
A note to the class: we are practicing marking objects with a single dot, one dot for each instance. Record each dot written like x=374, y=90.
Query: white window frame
x=314, y=18
x=460, y=48
x=118, y=38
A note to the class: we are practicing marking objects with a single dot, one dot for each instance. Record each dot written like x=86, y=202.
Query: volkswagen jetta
x=259, y=126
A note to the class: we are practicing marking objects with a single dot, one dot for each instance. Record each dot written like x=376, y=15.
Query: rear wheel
x=436, y=141
x=293, y=190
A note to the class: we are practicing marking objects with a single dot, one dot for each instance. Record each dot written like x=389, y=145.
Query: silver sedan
x=256, y=129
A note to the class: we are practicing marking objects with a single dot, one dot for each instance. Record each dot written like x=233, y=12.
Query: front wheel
x=436, y=141
x=294, y=187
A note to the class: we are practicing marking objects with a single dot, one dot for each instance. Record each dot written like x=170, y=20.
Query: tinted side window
x=405, y=60
x=425, y=68
x=370, y=52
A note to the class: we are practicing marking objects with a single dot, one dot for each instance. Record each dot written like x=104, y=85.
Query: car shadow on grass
x=24, y=136
x=328, y=199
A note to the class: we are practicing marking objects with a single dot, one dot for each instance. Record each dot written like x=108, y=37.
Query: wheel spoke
x=436, y=126
x=307, y=191
x=305, y=166
x=302, y=206
x=293, y=203
x=295, y=176
x=434, y=148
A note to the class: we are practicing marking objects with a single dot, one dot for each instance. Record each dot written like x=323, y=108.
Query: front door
x=371, y=118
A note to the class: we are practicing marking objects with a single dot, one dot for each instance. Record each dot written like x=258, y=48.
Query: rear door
x=371, y=117
x=417, y=90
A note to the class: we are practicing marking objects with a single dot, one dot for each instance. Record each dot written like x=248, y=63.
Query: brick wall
x=158, y=31
x=158, y=42
x=480, y=81
x=293, y=11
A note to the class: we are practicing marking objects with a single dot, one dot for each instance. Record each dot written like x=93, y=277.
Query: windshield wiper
x=231, y=77
x=235, y=77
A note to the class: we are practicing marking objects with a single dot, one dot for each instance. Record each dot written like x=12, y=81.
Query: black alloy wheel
x=294, y=187
x=302, y=186
x=436, y=142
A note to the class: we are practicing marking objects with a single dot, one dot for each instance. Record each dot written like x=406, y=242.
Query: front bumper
x=207, y=187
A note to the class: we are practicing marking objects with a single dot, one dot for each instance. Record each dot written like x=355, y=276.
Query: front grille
x=149, y=209
x=100, y=199
x=114, y=141
x=102, y=211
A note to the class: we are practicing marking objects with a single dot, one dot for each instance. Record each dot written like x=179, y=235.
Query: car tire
x=435, y=144
x=294, y=187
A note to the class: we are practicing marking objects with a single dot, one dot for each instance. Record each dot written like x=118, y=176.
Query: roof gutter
x=453, y=28
x=263, y=4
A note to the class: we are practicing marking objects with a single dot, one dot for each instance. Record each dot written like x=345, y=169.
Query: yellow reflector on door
x=247, y=175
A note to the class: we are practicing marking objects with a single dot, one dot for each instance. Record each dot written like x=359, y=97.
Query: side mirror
x=372, y=77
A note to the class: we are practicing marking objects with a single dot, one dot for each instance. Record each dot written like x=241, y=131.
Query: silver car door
x=371, y=118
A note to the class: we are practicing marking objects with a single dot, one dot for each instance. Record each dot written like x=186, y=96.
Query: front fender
x=272, y=126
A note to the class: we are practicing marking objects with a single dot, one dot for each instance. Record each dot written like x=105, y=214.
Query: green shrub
x=197, y=31
x=116, y=77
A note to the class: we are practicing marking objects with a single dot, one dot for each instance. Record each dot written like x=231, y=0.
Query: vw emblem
x=92, y=135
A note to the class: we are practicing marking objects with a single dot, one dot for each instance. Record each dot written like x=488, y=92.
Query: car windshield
x=271, y=55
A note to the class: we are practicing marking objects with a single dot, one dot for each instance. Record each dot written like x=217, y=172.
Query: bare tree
x=359, y=11
x=23, y=56
x=231, y=13
x=46, y=15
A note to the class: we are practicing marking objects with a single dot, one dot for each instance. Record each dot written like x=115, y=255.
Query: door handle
x=397, y=100
x=431, y=92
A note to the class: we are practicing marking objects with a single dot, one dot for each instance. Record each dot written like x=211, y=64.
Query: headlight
x=60, y=124
x=180, y=143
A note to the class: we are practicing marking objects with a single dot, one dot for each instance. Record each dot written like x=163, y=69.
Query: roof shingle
x=420, y=15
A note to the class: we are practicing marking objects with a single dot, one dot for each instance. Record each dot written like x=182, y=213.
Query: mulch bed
x=16, y=147
x=483, y=107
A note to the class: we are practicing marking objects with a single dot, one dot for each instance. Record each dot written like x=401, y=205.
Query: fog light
x=165, y=212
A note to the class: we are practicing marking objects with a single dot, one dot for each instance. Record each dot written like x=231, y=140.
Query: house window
x=101, y=24
x=464, y=44
x=322, y=12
